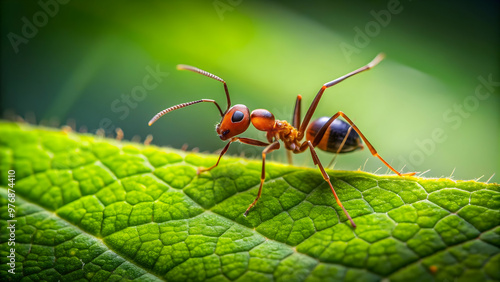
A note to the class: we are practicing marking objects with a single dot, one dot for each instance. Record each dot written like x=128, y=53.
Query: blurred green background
x=423, y=106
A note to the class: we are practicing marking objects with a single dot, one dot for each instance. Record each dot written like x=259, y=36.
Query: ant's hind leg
x=340, y=148
x=323, y=129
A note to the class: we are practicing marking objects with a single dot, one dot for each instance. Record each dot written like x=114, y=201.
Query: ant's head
x=234, y=122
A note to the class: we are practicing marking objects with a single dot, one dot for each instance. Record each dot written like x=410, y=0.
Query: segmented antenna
x=162, y=113
x=200, y=71
x=207, y=74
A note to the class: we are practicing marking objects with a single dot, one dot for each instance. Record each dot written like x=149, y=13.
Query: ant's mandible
x=328, y=134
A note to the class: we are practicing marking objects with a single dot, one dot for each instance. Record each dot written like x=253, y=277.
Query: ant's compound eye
x=237, y=116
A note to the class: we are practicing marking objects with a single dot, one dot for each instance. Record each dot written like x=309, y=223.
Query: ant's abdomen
x=334, y=136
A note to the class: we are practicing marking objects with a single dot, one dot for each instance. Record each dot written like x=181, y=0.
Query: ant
x=327, y=134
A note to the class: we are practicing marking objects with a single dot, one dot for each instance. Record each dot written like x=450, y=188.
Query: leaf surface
x=98, y=209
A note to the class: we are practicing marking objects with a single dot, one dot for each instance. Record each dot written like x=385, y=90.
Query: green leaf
x=90, y=208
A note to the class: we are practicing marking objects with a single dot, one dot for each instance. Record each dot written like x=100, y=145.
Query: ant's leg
x=323, y=129
x=267, y=150
x=295, y=123
x=315, y=102
x=340, y=147
x=326, y=177
x=296, y=112
x=200, y=170
x=251, y=141
x=242, y=140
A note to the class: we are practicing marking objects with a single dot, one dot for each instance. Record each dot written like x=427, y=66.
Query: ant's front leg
x=200, y=170
x=267, y=150
x=224, y=150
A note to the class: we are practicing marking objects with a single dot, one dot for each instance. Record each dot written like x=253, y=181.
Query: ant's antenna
x=205, y=73
x=202, y=72
x=162, y=113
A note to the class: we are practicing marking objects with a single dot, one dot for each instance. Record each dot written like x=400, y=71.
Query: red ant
x=328, y=134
